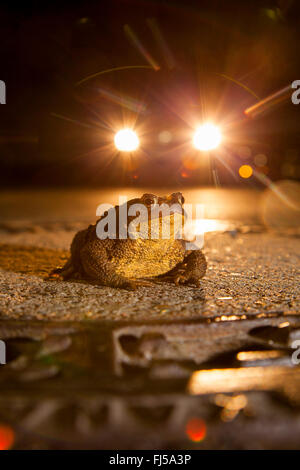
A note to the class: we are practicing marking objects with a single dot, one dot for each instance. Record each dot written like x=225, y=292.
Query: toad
x=147, y=252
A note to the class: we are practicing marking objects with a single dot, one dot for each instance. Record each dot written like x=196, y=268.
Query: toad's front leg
x=190, y=270
x=98, y=267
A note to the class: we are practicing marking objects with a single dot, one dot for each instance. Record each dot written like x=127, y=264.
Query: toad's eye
x=177, y=197
x=148, y=199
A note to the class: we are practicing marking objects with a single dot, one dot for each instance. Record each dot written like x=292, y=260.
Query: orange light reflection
x=195, y=429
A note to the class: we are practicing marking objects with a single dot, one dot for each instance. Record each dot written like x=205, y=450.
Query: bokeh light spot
x=126, y=140
x=244, y=152
x=281, y=205
x=165, y=137
x=195, y=429
x=245, y=171
x=260, y=159
x=7, y=437
x=191, y=162
x=207, y=137
x=288, y=170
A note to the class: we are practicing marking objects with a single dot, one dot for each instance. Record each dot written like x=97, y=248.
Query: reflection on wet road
x=163, y=367
x=80, y=205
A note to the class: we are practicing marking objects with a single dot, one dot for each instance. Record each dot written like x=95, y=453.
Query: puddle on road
x=81, y=380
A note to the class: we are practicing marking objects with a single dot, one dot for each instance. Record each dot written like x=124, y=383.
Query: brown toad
x=127, y=258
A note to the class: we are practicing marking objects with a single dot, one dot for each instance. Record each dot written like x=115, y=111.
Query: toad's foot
x=64, y=273
x=189, y=271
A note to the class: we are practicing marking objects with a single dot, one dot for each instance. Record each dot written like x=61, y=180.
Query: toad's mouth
x=158, y=228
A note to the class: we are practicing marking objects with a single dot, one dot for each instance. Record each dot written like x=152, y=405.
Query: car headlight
x=126, y=140
x=207, y=137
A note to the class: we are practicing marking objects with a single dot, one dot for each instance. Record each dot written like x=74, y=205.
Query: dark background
x=53, y=132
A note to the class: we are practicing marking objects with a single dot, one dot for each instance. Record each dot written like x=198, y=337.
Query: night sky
x=195, y=59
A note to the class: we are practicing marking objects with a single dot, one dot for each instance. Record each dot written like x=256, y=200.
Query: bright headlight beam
x=126, y=140
x=207, y=137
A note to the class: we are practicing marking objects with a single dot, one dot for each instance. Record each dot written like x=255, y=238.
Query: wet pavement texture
x=161, y=367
